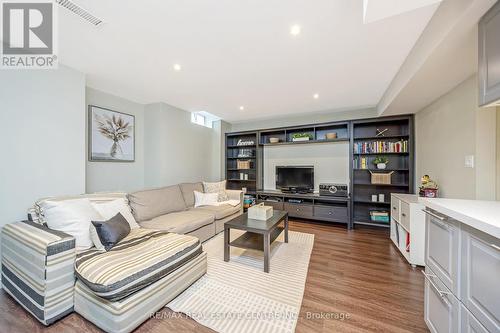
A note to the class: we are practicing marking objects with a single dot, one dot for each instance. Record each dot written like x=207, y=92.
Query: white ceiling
x=375, y=10
x=237, y=53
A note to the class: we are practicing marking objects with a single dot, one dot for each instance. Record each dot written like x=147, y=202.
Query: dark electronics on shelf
x=295, y=179
x=334, y=190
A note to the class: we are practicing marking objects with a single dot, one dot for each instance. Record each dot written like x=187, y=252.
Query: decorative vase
x=381, y=166
x=116, y=150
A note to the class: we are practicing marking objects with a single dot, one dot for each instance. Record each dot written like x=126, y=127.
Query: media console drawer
x=299, y=210
x=331, y=212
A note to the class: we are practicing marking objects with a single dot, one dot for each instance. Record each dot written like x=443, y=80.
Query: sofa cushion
x=109, y=232
x=37, y=211
x=217, y=187
x=205, y=199
x=188, y=189
x=109, y=209
x=148, y=204
x=140, y=259
x=72, y=217
x=218, y=212
x=180, y=222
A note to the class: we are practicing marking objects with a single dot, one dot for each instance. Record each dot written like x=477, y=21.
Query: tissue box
x=260, y=212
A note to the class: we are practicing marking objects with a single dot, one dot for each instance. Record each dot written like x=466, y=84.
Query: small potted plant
x=302, y=136
x=381, y=162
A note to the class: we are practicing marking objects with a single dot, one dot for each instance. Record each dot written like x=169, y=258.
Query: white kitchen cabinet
x=462, y=274
x=480, y=276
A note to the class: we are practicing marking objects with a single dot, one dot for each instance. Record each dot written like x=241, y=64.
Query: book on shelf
x=379, y=216
x=374, y=147
x=379, y=213
x=360, y=163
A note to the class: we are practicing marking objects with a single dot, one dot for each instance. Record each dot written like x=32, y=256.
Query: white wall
x=42, y=141
x=175, y=149
x=117, y=176
x=498, y=154
x=330, y=161
x=220, y=128
x=451, y=128
x=310, y=118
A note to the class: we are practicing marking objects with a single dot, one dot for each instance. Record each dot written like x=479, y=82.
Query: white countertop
x=481, y=215
x=408, y=198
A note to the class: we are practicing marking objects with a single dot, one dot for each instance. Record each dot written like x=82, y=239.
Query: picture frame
x=111, y=135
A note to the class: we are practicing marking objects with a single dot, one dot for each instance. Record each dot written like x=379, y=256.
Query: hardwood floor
x=357, y=282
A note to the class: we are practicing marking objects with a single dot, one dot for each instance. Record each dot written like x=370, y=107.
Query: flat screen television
x=295, y=178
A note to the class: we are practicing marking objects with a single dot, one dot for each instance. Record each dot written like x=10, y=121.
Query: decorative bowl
x=274, y=140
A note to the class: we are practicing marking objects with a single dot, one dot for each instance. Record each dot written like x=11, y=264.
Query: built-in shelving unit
x=388, y=137
x=391, y=137
x=309, y=206
x=318, y=134
x=241, y=164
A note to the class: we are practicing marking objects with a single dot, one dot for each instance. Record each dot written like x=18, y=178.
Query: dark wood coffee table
x=258, y=236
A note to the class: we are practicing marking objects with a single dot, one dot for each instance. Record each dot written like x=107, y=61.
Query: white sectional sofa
x=44, y=272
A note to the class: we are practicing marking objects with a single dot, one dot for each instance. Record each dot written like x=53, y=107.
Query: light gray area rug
x=237, y=296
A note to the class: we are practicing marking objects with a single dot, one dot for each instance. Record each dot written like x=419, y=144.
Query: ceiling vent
x=77, y=10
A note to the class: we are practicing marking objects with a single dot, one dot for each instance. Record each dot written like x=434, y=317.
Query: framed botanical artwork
x=111, y=135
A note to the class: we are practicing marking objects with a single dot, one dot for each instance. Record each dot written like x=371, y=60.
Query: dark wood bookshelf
x=233, y=155
x=389, y=185
x=400, y=163
x=306, y=142
x=381, y=138
x=242, y=158
x=242, y=146
x=399, y=128
x=241, y=180
x=385, y=153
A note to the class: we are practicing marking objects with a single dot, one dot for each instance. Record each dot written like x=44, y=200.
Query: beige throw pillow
x=218, y=187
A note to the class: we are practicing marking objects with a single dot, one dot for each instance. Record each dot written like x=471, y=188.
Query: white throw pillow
x=218, y=187
x=111, y=208
x=205, y=199
x=107, y=211
x=72, y=217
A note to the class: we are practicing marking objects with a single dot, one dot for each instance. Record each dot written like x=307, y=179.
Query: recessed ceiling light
x=316, y=96
x=242, y=108
x=295, y=30
x=177, y=67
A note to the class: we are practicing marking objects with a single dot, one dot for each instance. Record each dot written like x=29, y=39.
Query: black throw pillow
x=112, y=231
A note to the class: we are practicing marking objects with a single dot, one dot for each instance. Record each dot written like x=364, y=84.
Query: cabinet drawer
x=331, y=212
x=441, y=307
x=405, y=215
x=275, y=204
x=480, y=274
x=395, y=208
x=299, y=210
x=469, y=323
x=441, y=248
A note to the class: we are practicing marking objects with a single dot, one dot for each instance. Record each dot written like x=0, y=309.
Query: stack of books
x=360, y=163
x=379, y=216
x=374, y=147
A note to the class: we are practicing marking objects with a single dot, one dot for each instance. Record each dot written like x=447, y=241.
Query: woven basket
x=381, y=178
x=243, y=164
